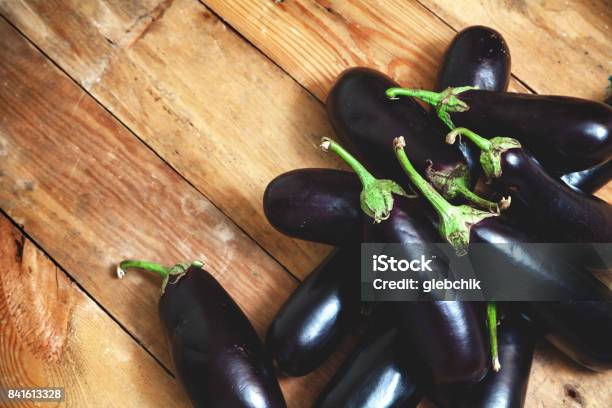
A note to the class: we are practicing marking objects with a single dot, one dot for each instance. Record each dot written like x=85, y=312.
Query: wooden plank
x=92, y=194
x=558, y=47
x=217, y=110
x=314, y=40
x=53, y=335
x=556, y=381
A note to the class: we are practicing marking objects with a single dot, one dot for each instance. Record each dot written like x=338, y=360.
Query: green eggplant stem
x=177, y=271
x=492, y=324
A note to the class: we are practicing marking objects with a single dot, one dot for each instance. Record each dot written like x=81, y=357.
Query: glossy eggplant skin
x=590, y=180
x=581, y=330
x=318, y=315
x=308, y=205
x=565, y=134
x=477, y=56
x=574, y=216
x=448, y=334
x=217, y=354
x=450, y=337
x=378, y=374
x=367, y=121
x=508, y=387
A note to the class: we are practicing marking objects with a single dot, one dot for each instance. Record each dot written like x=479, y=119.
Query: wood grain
x=556, y=381
x=92, y=194
x=314, y=40
x=53, y=335
x=558, y=47
x=212, y=106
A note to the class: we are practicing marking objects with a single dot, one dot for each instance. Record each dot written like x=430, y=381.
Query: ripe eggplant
x=361, y=114
x=565, y=134
x=508, y=387
x=319, y=313
x=590, y=180
x=380, y=373
x=477, y=56
x=216, y=352
x=318, y=212
x=581, y=330
x=573, y=215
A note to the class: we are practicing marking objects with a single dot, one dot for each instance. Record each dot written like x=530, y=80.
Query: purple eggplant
x=380, y=373
x=216, y=352
x=590, y=180
x=508, y=387
x=318, y=314
x=581, y=330
x=362, y=115
x=571, y=214
x=477, y=56
x=565, y=134
x=319, y=211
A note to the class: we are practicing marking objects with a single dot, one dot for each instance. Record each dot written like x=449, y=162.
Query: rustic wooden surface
x=150, y=128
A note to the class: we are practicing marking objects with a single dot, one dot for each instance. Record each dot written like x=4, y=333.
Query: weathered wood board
x=54, y=335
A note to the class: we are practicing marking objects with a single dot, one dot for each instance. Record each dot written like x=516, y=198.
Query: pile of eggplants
x=440, y=348
x=542, y=156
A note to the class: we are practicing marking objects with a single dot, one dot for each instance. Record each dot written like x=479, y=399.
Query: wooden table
x=149, y=129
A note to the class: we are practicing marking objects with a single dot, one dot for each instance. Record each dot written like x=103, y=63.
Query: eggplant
x=380, y=373
x=508, y=387
x=565, y=134
x=319, y=212
x=590, y=180
x=581, y=330
x=477, y=56
x=318, y=314
x=448, y=334
x=218, y=357
x=576, y=217
x=367, y=121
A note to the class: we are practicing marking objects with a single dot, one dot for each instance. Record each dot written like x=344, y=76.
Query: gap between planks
x=74, y=281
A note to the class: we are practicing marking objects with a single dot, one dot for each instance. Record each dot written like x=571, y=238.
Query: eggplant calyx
x=492, y=325
x=177, y=271
x=490, y=150
x=455, y=221
x=376, y=198
x=456, y=224
x=445, y=102
x=454, y=183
